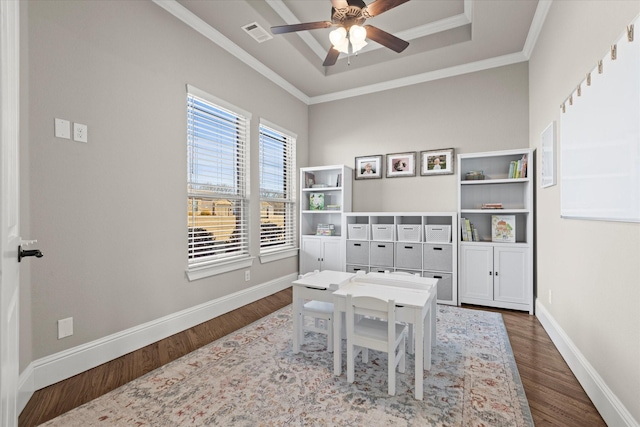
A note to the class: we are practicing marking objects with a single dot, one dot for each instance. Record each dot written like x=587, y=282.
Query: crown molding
x=186, y=16
x=189, y=18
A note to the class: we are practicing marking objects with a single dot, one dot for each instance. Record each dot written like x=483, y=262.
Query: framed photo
x=369, y=167
x=549, y=162
x=436, y=162
x=401, y=164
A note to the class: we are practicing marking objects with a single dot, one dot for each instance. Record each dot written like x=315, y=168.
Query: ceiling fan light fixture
x=339, y=39
x=357, y=34
x=338, y=36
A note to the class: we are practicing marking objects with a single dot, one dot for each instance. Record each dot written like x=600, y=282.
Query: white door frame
x=9, y=209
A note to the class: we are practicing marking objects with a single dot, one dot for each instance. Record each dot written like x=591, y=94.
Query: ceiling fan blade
x=281, y=29
x=380, y=6
x=386, y=39
x=332, y=57
x=339, y=4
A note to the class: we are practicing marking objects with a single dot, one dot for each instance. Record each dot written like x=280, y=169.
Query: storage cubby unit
x=493, y=272
x=325, y=194
x=422, y=243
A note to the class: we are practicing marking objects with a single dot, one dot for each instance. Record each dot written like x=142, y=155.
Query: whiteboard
x=600, y=141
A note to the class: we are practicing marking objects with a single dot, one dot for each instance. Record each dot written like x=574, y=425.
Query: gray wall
x=482, y=111
x=110, y=215
x=591, y=268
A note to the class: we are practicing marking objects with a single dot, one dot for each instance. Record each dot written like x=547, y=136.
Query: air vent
x=257, y=32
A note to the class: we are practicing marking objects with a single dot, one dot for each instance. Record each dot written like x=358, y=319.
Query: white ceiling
x=447, y=38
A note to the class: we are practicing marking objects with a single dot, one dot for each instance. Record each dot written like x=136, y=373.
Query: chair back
x=370, y=307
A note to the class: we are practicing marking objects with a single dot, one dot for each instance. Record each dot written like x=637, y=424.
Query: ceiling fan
x=348, y=16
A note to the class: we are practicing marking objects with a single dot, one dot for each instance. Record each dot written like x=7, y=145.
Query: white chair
x=371, y=324
x=322, y=314
x=398, y=278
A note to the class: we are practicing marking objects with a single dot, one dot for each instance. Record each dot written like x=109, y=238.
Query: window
x=277, y=189
x=217, y=193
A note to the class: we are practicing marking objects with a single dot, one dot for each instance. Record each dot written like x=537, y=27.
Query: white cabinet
x=492, y=272
x=325, y=194
x=320, y=253
x=495, y=276
x=422, y=243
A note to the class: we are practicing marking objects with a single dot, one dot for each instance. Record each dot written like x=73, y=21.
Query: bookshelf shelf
x=496, y=273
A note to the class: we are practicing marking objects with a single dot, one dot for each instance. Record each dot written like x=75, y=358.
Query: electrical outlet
x=550, y=297
x=65, y=327
x=247, y=275
x=80, y=132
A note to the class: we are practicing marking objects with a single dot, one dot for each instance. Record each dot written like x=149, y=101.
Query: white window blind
x=277, y=189
x=217, y=193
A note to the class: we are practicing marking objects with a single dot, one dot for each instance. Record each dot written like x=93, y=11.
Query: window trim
x=212, y=267
x=291, y=250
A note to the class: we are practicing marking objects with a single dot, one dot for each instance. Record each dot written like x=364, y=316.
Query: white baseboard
x=65, y=364
x=606, y=402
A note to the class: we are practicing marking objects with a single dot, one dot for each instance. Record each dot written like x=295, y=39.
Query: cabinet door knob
x=491, y=273
x=496, y=273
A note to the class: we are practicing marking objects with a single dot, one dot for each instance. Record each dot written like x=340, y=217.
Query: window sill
x=195, y=273
x=278, y=255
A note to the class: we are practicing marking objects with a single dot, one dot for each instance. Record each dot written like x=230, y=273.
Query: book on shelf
x=518, y=168
x=491, y=206
x=316, y=201
x=339, y=181
x=332, y=207
x=463, y=229
x=469, y=233
x=503, y=228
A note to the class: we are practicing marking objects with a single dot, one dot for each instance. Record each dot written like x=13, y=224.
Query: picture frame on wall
x=401, y=164
x=368, y=167
x=436, y=162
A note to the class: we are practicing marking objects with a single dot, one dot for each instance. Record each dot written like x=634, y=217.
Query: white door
x=310, y=254
x=476, y=274
x=9, y=209
x=331, y=255
x=511, y=274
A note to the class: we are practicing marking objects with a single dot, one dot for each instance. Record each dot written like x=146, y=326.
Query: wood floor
x=555, y=396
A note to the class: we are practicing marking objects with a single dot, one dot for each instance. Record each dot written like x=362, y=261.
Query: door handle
x=31, y=252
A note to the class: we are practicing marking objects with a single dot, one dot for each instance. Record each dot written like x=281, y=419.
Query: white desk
x=418, y=306
x=318, y=286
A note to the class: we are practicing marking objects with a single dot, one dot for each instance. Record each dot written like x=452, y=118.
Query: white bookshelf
x=333, y=183
x=492, y=273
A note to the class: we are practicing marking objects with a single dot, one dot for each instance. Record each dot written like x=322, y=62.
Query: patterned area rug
x=251, y=378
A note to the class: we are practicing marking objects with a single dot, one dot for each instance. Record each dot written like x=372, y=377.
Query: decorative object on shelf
x=474, y=176
x=503, y=228
x=368, y=167
x=325, y=230
x=436, y=162
x=309, y=180
x=316, y=201
x=548, y=157
x=319, y=186
x=401, y=164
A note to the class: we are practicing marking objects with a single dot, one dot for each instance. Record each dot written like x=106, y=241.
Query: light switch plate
x=62, y=128
x=65, y=327
x=79, y=132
